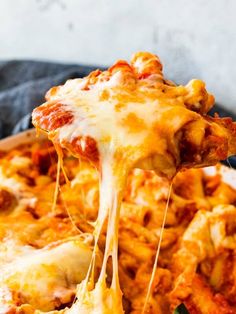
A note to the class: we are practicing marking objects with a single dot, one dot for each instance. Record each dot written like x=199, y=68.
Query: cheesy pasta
x=45, y=253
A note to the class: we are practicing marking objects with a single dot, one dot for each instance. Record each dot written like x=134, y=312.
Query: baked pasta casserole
x=120, y=228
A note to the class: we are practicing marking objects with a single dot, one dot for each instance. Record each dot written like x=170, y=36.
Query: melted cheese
x=42, y=276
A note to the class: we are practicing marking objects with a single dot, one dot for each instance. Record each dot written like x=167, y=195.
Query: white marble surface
x=193, y=38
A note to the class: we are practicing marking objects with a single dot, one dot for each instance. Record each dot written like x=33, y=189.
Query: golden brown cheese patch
x=133, y=123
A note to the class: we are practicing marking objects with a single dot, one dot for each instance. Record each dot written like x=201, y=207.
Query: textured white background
x=193, y=38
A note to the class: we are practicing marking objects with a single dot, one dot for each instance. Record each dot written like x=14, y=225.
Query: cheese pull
x=130, y=116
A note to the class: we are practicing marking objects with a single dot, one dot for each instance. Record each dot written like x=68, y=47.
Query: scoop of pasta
x=133, y=112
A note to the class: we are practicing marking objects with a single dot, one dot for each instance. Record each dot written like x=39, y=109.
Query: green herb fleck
x=181, y=309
